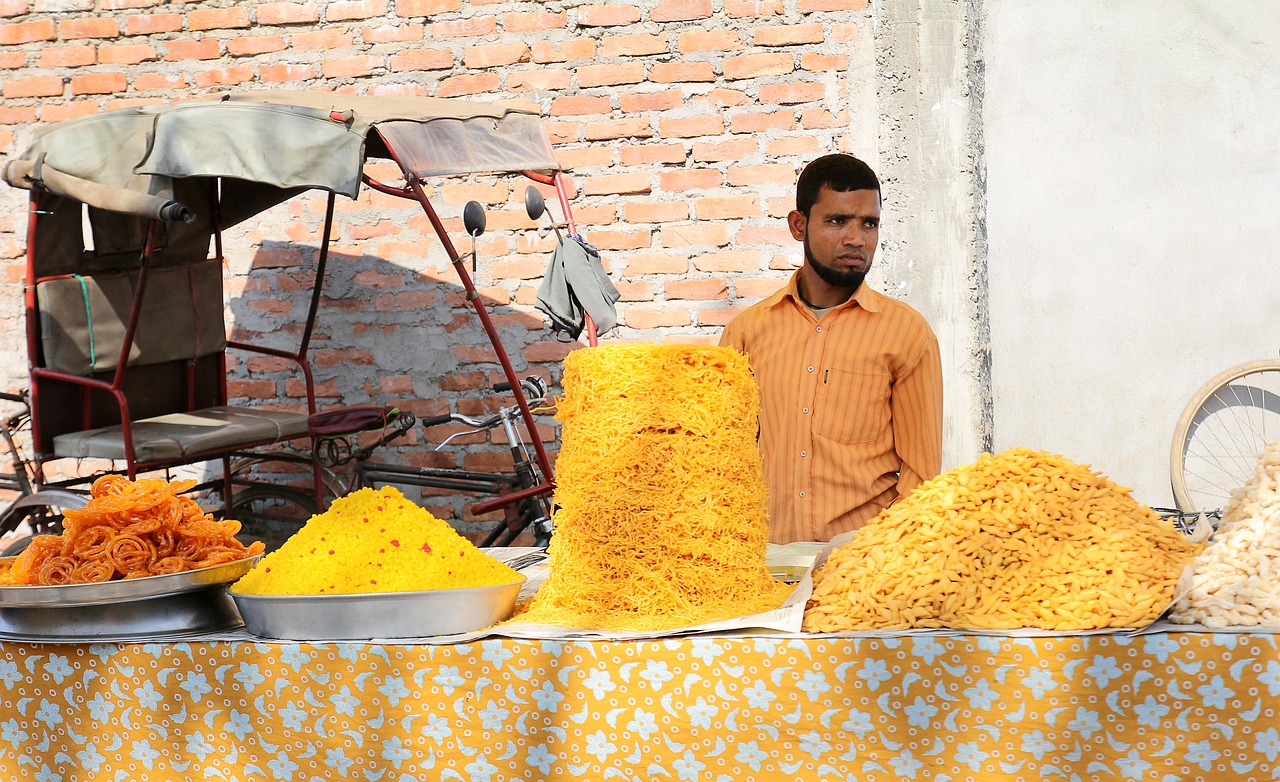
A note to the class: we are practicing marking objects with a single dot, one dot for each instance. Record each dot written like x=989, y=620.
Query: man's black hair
x=839, y=172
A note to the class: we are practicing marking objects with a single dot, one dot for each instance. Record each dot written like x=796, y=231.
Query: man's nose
x=855, y=236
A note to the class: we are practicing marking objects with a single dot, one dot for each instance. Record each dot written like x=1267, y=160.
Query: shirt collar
x=864, y=296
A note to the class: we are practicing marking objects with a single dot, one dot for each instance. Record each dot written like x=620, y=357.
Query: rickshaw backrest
x=83, y=318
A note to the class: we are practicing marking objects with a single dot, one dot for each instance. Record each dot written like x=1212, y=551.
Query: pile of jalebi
x=129, y=529
x=661, y=521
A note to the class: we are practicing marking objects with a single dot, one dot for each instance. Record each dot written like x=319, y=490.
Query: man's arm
x=917, y=419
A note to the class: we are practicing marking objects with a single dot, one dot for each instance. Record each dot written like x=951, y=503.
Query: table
x=1163, y=706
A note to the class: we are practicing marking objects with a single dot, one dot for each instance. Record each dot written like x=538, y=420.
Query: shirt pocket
x=852, y=407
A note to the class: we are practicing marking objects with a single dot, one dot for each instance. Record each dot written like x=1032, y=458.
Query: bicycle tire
x=270, y=513
x=1224, y=427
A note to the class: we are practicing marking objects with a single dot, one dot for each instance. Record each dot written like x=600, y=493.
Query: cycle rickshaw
x=127, y=339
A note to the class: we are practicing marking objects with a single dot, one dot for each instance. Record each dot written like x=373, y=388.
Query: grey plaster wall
x=1132, y=182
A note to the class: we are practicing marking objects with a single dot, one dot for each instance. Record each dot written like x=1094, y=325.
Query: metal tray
x=124, y=590
x=377, y=615
x=208, y=609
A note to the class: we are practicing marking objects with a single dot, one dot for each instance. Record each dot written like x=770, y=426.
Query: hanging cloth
x=574, y=284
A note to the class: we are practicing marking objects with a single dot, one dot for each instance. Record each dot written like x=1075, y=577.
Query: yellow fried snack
x=1019, y=539
x=661, y=520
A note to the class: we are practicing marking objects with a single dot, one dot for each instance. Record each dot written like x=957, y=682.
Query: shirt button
x=810, y=369
x=804, y=410
x=804, y=453
x=801, y=494
x=819, y=329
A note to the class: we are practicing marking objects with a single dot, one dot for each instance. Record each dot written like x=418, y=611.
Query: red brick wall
x=683, y=123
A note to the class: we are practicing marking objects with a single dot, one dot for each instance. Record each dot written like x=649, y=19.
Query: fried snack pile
x=1235, y=582
x=1020, y=539
x=373, y=540
x=129, y=529
x=661, y=520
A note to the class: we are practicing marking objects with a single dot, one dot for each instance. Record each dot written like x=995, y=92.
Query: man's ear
x=797, y=222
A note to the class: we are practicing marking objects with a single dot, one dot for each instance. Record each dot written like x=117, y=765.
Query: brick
x=238, y=74
x=680, y=10
x=485, y=192
x=478, y=84
x=753, y=66
x=726, y=207
x=738, y=9
x=408, y=8
x=780, y=207
x=543, y=79
x=690, y=179
x=723, y=97
x=607, y=15
x=621, y=240
x=66, y=56
x=819, y=6
x=465, y=28
x=93, y=27
x=287, y=13
x=815, y=62
x=772, y=235
x=805, y=146
x=792, y=92
x=758, y=287
x=673, y=72
x=347, y=10
x=758, y=121
x=519, y=269
x=251, y=389
x=767, y=174
x=13, y=7
x=61, y=112
x=716, y=152
x=718, y=316
x=98, y=83
x=17, y=115
x=566, y=51
x=27, y=32
x=648, y=154
x=217, y=18
x=651, y=101
x=350, y=67
x=422, y=60
x=845, y=33
x=404, y=301
x=145, y=82
x=150, y=24
x=728, y=261
x=495, y=55
x=656, y=263
x=655, y=212
x=697, y=290
x=179, y=49
x=688, y=127
x=322, y=40
x=788, y=35
x=638, y=127
x=577, y=105
x=533, y=22
x=33, y=87
x=332, y=357
x=283, y=73
x=393, y=33
x=640, y=317
x=634, y=291
x=617, y=184
x=821, y=119
x=636, y=45
x=695, y=41
x=610, y=74
x=696, y=235
x=254, y=45
x=12, y=60
x=55, y=6
x=547, y=352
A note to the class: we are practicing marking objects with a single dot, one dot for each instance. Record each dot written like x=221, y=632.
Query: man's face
x=840, y=235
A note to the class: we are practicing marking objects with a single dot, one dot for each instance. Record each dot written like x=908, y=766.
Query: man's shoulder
x=901, y=311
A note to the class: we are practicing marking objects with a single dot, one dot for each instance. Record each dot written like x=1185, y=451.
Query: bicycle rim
x=270, y=514
x=1216, y=443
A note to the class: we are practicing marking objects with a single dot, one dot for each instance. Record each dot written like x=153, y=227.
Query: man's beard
x=838, y=278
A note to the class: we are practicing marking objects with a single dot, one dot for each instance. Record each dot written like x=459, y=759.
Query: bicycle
x=1227, y=423
x=274, y=510
x=39, y=508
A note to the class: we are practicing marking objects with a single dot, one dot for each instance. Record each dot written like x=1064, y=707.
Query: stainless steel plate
x=377, y=615
x=124, y=590
x=208, y=609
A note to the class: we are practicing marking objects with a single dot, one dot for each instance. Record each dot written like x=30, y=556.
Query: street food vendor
x=850, y=379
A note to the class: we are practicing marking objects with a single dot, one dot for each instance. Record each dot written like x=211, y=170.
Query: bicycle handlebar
x=22, y=400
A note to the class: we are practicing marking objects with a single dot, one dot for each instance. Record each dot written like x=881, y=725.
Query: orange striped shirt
x=850, y=407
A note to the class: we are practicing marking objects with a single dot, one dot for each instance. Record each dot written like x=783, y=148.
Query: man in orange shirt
x=850, y=379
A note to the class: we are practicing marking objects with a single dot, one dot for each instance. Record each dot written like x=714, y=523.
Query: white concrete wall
x=1133, y=172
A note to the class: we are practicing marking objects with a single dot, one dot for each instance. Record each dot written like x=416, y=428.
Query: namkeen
x=373, y=540
x=129, y=529
x=1235, y=582
x=1019, y=539
x=660, y=492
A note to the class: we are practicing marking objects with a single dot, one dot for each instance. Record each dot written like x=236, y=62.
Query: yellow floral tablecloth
x=1166, y=706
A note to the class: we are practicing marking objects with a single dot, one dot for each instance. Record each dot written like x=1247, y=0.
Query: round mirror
x=534, y=205
x=473, y=218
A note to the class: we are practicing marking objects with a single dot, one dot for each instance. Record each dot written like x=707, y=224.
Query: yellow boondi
x=373, y=540
x=1020, y=539
x=660, y=492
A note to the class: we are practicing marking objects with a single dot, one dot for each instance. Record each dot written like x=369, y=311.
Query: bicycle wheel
x=1216, y=443
x=270, y=513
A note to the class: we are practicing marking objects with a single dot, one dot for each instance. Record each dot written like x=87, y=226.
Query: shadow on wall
x=388, y=334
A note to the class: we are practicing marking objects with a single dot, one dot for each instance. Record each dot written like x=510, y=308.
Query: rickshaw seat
x=183, y=437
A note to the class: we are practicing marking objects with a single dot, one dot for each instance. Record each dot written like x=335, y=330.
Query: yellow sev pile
x=1019, y=539
x=660, y=492
x=373, y=540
